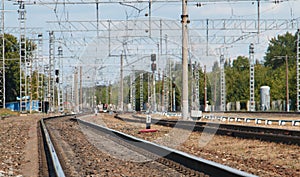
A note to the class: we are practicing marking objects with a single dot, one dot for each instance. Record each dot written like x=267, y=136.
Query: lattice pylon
x=141, y=91
x=50, y=76
x=23, y=60
x=40, y=78
x=252, y=86
x=223, y=84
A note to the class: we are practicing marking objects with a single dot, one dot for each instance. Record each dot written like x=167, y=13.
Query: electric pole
x=185, y=89
x=205, y=88
x=287, y=84
x=121, y=84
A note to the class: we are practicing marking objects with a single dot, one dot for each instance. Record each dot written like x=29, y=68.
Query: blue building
x=15, y=106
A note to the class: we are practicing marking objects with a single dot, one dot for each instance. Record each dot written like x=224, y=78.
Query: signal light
x=56, y=72
x=198, y=4
x=153, y=57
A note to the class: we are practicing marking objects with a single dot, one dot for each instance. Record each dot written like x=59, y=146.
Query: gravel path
x=252, y=156
x=18, y=146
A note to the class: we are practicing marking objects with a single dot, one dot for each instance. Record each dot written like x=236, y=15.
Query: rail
x=248, y=132
x=54, y=161
x=255, y=120
x=187, y=160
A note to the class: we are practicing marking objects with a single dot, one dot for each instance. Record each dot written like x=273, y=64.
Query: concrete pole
x=153, y=68
x=205, y=88
x=76, y=109
x=149, y=89
x=154, y=91
x=163, y=93
x=287, y=84
x=174, y=98
x=185, y=90
x=121, y=84
x=80, y=89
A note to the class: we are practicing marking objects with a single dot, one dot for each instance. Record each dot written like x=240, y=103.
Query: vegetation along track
x=249, y=132
x=86, y=149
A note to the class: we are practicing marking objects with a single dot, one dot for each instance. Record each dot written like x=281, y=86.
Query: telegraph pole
x=121, y=84
x=133, y=90
x=153, y=68
x=75, y=90
x=205, y=88
x=80, y=89
x=185, y=89
x=287, y=84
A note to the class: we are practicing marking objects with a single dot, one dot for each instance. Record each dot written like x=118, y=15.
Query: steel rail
x=267, y=121
x=202, y=165
x=248, y=132
x=54, y=158
x=244, y=128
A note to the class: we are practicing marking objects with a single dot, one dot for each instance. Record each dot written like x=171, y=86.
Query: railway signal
x=148, y=121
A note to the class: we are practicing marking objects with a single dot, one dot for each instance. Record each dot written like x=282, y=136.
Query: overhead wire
x=135, y=12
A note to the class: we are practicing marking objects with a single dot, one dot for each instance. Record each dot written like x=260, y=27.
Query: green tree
x=241, y=63
x=12, y=65
x=202, y=86
x=237, y=80
x=281, y=46
x=12, y=68
x=214, y=80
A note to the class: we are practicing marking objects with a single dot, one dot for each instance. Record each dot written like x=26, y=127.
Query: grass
x=7, y=112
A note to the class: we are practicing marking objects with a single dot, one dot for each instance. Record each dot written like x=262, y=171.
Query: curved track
x=79, y=146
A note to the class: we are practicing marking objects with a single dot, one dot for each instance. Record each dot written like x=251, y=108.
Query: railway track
x=80, y=147
x=267, y=118
x=249, y=132
x=261, y=113
x=49, y=162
